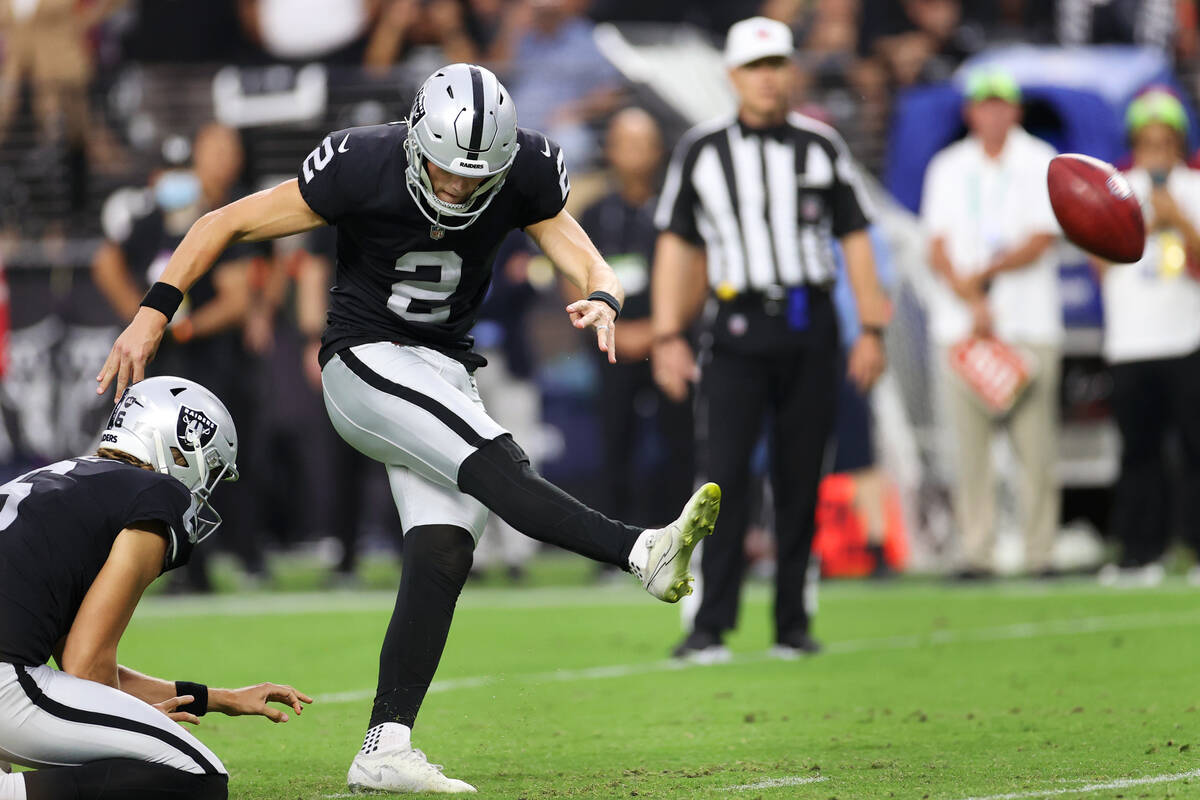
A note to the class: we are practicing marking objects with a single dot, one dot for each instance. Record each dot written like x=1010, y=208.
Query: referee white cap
x=755, y=38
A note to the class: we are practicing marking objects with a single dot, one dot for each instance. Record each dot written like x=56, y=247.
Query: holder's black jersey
x=399, y=277
x=57, y=526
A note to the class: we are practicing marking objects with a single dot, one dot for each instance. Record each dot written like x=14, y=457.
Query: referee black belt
x=772, y=301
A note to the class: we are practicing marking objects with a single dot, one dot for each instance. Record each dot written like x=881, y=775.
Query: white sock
x=385, y=736
x=12, y=787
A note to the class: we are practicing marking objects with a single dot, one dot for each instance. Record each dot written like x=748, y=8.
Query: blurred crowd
x=64, y=59
x=250, y=331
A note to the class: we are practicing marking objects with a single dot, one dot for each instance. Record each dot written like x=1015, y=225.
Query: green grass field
x=560, y=691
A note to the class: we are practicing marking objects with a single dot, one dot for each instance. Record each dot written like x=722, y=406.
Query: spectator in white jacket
x=991, y=230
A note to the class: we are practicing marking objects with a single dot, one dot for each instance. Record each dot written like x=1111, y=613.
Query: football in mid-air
x=1096, y=207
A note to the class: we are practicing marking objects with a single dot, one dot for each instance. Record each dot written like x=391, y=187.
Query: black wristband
x=164, y=298
x=199, y=691
x=607, y=299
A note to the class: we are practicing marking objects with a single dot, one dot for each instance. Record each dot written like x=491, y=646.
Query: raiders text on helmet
x=180, y=428
x=463, y=121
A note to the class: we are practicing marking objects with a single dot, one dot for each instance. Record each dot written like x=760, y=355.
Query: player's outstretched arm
x=566, y=244
x=269, y=214
x=249, y=700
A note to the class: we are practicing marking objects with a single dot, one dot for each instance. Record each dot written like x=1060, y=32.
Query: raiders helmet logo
x=194, y=426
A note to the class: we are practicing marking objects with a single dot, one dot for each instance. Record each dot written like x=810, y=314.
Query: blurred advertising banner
x=60, y=334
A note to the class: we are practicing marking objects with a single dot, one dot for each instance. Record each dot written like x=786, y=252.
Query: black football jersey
x=57, y=526
x=399, y=278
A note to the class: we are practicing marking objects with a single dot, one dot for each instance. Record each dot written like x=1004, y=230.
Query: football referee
x=761, y=198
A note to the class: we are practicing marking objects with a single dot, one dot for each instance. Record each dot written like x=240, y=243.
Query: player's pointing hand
x=599, y=315
x=133, y=349
x=254, y=700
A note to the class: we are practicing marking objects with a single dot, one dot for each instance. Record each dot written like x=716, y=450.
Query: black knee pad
x=508, y=446
x=448, y=550
x=500, y=456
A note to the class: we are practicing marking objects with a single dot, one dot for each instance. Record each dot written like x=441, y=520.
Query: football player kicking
x=420, y=208
x=80, y=541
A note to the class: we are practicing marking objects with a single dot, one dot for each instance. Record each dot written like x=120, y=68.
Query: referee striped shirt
x=766, y=204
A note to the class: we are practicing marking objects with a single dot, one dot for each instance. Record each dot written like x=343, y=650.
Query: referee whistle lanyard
x=989, y=239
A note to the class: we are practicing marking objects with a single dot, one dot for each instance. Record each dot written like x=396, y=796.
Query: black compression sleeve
x=437, y=559
x=499, y=476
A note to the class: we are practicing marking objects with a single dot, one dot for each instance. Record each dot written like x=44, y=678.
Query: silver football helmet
x=180, y=428
x=463, y=121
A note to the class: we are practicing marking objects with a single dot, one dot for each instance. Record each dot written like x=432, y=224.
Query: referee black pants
x=1149, y=399
x=796, y=391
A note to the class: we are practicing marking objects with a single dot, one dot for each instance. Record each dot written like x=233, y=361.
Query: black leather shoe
x=795, y=645
x=702, y=646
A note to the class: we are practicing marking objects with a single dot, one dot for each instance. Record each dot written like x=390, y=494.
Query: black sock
x=123, y=779
x=437, y=559
x=499, y=476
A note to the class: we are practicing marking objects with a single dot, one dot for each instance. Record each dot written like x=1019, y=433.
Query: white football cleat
x=660, y=556
x=388, y=762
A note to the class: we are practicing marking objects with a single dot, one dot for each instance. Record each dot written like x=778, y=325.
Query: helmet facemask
x=211, y=471
x=451, y=216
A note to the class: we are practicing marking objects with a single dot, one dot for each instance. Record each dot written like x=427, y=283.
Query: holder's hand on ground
x=133, y=349
x=674, y=367
x=168, y=707
x=867, y=361
x=599, y=315
x=254, y=699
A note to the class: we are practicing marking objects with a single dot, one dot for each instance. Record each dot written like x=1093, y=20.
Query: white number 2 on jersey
x=426, y=298
x=318, y=159
x=18, y=489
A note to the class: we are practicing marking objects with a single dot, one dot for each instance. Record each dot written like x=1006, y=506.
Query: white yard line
x=771, y=783
x=1119, y=783
x=615, y=595
x=334, y=602
x=1028, y=630
x=1021, y=630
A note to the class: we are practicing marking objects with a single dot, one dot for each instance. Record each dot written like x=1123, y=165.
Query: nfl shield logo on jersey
x=436, y=232
x=194, y=429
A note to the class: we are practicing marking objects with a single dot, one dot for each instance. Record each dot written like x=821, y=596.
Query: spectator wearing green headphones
x=1152, y=342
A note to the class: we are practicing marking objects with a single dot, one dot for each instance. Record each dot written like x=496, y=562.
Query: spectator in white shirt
x=987, y=212
x=1152, y=342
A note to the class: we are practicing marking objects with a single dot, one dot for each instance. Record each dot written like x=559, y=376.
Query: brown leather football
x=1096, y=207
